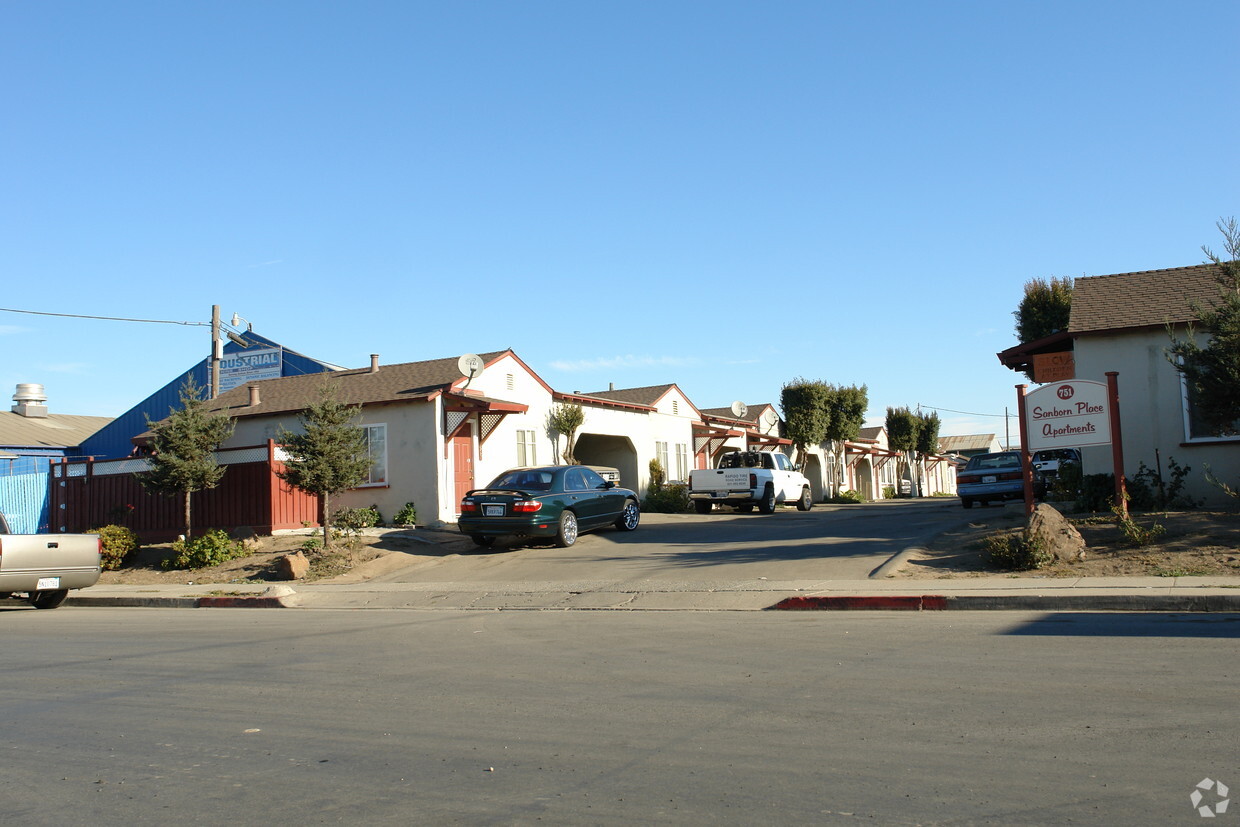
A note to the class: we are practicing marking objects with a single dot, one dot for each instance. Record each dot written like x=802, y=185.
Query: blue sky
x=723, y=195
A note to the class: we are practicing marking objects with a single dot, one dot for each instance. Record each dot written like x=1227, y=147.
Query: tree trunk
x=325, y=519
x=188, y=526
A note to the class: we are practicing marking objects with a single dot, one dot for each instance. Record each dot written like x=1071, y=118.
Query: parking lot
x=827, y=543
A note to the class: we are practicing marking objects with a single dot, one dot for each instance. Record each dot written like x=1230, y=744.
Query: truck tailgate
x=40, y=561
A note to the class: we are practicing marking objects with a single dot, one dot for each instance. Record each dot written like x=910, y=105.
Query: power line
x=104, y=318
x=967, y=413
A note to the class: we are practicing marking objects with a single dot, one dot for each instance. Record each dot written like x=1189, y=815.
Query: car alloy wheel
x=629, y=517
x=767, y=506
x=806, y=502
x=567, y=533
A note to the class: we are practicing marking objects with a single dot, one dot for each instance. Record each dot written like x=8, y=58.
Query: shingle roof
x=726, y=413
x=391, y=383
x=648, y=395
x=1151, y=298
x=51, y=431
x=870, y=433
x=968, y=442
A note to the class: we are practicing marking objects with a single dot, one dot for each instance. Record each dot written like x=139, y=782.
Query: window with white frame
x=376, y=446
x=682, y=461
x=660, y=453
x=1195, y=428
x=527, y=453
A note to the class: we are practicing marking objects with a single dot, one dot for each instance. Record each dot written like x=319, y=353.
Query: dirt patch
x=1194, y=543
x=355, y=560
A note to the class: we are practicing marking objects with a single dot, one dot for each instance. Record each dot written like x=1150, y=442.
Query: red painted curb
x=929, y=602
x=239, y=603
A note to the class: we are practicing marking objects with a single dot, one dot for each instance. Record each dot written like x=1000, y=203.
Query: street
x=147, y=716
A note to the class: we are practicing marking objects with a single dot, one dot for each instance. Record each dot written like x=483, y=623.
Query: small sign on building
x=1054, y=367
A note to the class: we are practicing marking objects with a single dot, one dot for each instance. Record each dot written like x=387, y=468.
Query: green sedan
x=556, y=501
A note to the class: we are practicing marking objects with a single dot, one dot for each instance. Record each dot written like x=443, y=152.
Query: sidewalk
x=1136, y=594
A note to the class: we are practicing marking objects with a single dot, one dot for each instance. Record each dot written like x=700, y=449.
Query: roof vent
x=374, y=363
x=30, y=399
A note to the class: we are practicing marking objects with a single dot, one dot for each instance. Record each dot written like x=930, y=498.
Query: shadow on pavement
x=1135, y=624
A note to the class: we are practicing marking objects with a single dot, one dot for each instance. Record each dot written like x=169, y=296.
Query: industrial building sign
x=249, y=366
x=1068, y=415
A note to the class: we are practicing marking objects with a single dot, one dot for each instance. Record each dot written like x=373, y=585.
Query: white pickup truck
x=43, y=567
x=748, y=478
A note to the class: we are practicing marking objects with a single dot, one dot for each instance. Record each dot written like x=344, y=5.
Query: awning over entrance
x=459, y=408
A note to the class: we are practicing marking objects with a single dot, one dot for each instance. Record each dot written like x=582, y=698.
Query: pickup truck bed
x=42, y=568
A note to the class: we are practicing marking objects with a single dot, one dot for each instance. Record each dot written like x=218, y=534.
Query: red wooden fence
x=90, y=494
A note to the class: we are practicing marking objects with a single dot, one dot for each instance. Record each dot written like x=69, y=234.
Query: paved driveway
x=827, y=543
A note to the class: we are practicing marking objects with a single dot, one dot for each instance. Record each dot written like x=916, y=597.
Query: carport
x=613, y=451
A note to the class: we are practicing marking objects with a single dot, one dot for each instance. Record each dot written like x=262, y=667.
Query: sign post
x=1072, y=414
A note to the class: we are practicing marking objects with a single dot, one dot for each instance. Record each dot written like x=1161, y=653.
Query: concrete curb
x=183, y=602
x=1016, y=602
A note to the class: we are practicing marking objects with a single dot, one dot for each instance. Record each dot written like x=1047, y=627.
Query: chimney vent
x=30, y=399
x=374, y=363
x=611, y=386
x=254, y=396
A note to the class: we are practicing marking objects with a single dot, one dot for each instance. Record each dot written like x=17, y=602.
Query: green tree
x=847, y=406
x=330, y=454
x=903, y=428
x=1044, y=309
x=1212, y=372
x=566, y=419
x=806, y=413
x=927, y=441
x=183, y=449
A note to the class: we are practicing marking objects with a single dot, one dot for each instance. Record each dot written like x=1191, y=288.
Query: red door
x=463, y=461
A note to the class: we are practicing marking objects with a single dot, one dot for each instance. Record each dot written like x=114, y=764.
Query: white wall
x=1152, y=412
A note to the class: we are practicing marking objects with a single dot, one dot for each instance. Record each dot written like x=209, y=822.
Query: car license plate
x=990, y=479
x=48, y=583
x=721, y=495
x=492, y=511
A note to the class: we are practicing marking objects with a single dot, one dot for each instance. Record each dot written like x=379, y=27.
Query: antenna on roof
x=739, y=409
x=470, y=365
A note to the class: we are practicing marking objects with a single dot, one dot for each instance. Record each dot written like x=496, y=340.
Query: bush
x=353, y=520
x=210, y=549
x=667, y=499
x=118, y=543
x=845, y=497
x=1016, y=552
x=408, y=515
x=889, y=492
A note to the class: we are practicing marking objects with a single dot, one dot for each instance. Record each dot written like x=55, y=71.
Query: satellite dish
x=739, y=409
x=771, y=417
x=470, y=365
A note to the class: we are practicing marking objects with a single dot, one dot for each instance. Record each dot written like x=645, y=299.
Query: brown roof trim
x=594, y=400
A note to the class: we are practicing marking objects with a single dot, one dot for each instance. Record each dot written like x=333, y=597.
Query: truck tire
x=703, y=506
x=767, y=504
x=806, y=502
x=48, y=599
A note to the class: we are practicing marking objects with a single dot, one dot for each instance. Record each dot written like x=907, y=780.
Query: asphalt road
x=132, y=716
x=820, y=544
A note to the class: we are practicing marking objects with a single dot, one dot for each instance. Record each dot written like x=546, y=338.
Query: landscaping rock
x=1057, y=536
x=292, y=566
x=246, y=536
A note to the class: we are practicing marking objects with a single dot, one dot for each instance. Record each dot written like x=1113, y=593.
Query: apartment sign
x=249, y=366
x=1071, y=414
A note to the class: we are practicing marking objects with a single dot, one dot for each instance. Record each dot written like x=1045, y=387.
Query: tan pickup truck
x=41, y=568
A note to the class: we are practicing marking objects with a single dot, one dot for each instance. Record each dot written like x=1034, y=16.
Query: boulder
x=246, y=536
x=292, y=566
x=1056, y=535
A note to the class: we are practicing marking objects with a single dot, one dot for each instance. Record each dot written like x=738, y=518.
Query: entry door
x=463, y=461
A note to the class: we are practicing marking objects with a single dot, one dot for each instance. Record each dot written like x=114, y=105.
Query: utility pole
x=215, y=351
